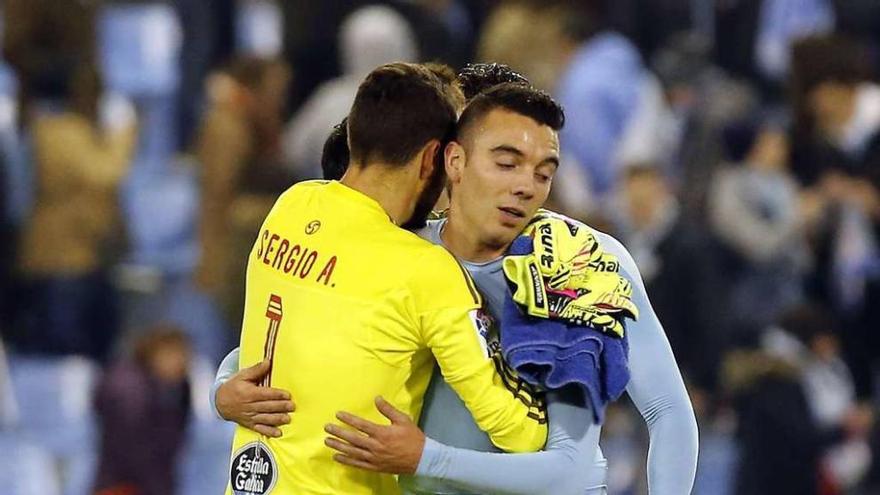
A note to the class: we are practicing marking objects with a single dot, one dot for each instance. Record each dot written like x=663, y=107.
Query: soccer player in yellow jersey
x=348, y=306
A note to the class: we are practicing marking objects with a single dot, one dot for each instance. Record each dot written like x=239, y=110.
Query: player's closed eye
x=543, y=178
x=506, y=166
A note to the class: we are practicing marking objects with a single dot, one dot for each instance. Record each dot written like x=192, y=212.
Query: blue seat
x=259, y=28
x=161, y=211
x=34, y=471
x=205, y=464
x=56, y=421
x=139, y=46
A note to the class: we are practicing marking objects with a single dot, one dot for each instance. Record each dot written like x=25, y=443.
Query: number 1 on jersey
x=273, y=313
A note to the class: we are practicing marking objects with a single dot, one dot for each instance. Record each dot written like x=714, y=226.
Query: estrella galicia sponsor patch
x=253, y=470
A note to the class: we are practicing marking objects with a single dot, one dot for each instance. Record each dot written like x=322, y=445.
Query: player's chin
x=506, y=232
x=512, y=225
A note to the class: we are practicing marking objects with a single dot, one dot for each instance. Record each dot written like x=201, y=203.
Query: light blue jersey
x=459, y=459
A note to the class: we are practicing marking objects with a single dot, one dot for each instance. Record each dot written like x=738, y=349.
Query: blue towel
x=550, y=354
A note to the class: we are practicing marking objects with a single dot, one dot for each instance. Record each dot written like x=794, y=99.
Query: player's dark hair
x=449, y=79
x=334, y=158
x=398, y=109
x=518, y=98
x=476, y=78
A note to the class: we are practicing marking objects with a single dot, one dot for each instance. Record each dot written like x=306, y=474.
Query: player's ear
x=455, y=160
x=429, y=159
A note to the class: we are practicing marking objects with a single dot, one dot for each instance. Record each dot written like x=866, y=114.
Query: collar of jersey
x=442, y=225
x=358, y=197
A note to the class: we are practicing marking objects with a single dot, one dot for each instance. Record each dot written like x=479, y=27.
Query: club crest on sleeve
x=253, y=470
x=483, y=325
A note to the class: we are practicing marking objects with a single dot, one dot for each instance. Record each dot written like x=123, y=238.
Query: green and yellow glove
x=568, y=277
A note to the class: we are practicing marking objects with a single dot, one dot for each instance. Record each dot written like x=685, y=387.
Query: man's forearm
x=227, y=368
x=566, y=467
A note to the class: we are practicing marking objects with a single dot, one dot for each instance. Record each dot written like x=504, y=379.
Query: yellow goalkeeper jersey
x=349, y=306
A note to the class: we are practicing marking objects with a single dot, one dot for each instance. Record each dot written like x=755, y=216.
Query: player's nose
x=524, y=186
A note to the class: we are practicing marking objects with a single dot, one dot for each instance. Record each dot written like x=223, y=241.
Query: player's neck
x=464, y=243
x=386, y=187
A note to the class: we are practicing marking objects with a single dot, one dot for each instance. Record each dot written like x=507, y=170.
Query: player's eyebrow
x=551, y=160
x=506, y=148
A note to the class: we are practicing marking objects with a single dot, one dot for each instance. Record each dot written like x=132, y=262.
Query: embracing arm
x=401, y=448
x=565, y=467
x=239, y=396
x=448, y=304
x=227, y=368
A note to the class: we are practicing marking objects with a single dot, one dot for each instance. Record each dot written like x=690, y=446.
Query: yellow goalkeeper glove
x=569, y=277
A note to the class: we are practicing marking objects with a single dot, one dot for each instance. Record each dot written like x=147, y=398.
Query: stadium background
x=731, y=145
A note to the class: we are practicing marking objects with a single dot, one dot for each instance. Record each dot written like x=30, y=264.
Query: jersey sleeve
x=564, y=468
x=657, y=390
x=227, y=368
x=447, y=311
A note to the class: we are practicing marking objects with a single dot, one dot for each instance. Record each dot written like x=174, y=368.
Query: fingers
x=361, y=424
x=272, y=406
x=348, y=461
x=268, y=431
x=348, y=449
x=353, y=437
x=395, y=415
x=277, y=419
x=268, y=394
x=256, y=372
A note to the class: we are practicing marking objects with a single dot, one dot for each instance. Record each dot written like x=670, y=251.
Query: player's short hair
x=476, y=78
x=334, y=158
x=398, y=109
x=518, y=98
x=449, y=78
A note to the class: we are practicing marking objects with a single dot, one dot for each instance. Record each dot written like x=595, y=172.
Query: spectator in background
x=143, y=403
x=453, y=41
x=807, y=338
x=242, y=172
x=837, y=154
x=680, y=273
x=528, y=36
x=442, y=31
x=368, y=38
x=650, y=23
x=67, y=246
x=601, y=89
x=837, y=109
x=780, y=443
x=208, y=40
x=799, y=428
x=45, y=41
x=753, y=37
x=702, y=100
x=758, y=213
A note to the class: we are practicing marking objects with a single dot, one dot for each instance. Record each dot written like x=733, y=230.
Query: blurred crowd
x=733, y=146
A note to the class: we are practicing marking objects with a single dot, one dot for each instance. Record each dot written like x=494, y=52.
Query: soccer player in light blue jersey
x=500, y=168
